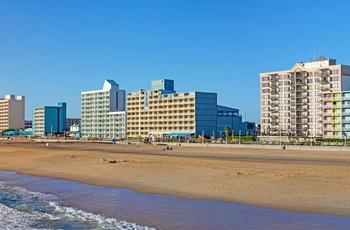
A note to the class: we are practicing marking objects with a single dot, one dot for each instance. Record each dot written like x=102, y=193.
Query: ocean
x=31, y=202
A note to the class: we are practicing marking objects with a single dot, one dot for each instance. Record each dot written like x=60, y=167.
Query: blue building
x=50, y=119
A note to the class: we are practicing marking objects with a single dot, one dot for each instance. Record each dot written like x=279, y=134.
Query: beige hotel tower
x=309, y=100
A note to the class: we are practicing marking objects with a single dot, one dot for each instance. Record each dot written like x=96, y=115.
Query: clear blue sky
x=51, y=51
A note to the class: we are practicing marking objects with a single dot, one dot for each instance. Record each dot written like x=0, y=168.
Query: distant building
x=72, y=121
x=162, y=111
x=49, y=120
x=12, y=112
x=103, y=112
x=28, y=124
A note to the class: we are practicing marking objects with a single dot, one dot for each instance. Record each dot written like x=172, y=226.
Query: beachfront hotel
x=308, y=100
x=12, y=112
x=162, y=111
x=49, y=120
x=103, y=112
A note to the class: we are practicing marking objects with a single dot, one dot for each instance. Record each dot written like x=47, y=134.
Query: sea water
x=30, y=202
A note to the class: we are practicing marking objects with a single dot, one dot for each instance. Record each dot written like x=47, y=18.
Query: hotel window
x=335, y=71
x=265, y=90
x=317, y=74
x=286, y=76
x=265, y=78
x=265, y=84
x=309, y=80
x=336, y=85
x=310, y=74
x=336, y=78
x=263, y=109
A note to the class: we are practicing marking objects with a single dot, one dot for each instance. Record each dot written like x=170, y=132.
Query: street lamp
x=239, y=139
x=202, y=136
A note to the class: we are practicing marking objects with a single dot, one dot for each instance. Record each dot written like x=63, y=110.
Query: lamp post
x=280, y=135
x=233, y=135
x=239, y=139
x=202, y=136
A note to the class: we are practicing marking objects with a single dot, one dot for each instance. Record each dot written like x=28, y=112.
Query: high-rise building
x=103, y=112
x=49, y=120
x=12, y=112
x=162, y=111
x=307, y=100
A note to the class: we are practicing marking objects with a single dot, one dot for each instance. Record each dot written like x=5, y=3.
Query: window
x=309, y=80
x=265, y=102
x=316, y=74
x=334, y=71
x=336, y=85
x=317, y=80
x=336, y=78
x=310, y=74
x=265, y=90
x=265, y=108
x=265, y=84
x=286, y=76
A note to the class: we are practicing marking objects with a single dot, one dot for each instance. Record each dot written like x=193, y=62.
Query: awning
x=177, y=134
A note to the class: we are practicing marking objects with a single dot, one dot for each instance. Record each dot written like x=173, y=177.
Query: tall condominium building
x=49, y=120
x=12, y=112
x=162, y=111
x=305, y=101
x=103, y=112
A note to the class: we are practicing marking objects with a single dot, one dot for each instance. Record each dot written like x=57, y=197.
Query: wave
x=23, y=209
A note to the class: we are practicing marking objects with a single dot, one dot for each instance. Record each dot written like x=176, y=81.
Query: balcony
x=325, y=88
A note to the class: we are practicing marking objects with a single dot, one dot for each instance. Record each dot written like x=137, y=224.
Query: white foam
x=14, y=219
x=104, y=222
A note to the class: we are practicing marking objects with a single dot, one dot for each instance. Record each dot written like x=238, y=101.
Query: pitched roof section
x=109, y=84
x=321, y=58
x=112, y=82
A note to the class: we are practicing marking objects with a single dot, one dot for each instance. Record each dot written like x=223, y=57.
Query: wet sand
x=300, y=181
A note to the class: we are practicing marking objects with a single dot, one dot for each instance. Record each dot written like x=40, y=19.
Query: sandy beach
x=301, y=181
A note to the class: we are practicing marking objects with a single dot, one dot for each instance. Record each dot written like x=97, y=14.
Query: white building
x=12, y=112
x=103, y=112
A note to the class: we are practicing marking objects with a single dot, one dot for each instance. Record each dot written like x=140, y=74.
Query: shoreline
x=298, y=181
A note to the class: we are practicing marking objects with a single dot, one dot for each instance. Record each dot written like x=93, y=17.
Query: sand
x=300, y=181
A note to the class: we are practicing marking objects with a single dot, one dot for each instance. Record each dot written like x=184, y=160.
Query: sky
x=51, y=51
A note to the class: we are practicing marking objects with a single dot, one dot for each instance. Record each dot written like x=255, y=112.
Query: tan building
x=12, y=112
x=292, y=102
